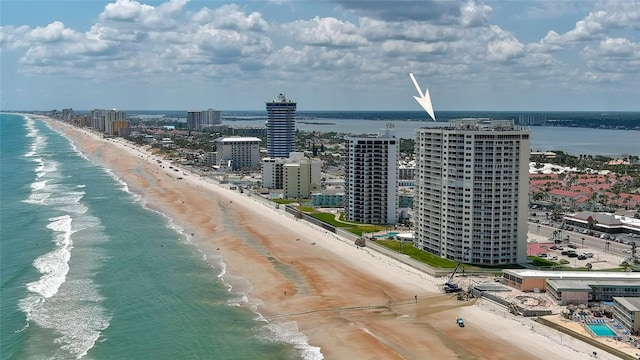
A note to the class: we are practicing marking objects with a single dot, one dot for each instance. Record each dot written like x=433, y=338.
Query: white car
x=626, y=251
x=553, y=257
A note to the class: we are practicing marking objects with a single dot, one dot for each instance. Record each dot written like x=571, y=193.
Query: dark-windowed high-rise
x=281, y=127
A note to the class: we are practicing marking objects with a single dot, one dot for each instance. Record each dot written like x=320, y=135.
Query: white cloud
x=329, y=32
x=52, y=33
x=455, y=44
x=123, y=10
x=475, y=14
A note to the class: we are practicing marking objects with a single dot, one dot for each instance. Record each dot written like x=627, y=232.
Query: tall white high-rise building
x=371, y=178
x=281, y=127
x=471, y=191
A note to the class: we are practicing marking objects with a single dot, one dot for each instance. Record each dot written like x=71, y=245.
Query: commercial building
x=471, y=191
x=575, y=287
x=626, y=311
x=281, y=127
x=371, y=178
x=238, y=152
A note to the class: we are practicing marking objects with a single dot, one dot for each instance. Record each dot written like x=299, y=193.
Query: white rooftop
x=600, y=275
x=239, y=139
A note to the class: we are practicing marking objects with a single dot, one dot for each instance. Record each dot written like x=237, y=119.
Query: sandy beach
x=350, y=302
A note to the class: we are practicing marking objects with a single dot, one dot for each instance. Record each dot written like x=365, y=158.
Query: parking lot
x=599, y=259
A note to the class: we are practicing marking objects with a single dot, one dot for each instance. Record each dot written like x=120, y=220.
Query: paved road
x=576, y=238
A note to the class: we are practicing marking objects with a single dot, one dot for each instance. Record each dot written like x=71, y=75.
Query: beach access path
x=351, y=302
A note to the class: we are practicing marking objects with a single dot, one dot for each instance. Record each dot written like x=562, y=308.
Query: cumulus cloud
x=52, y=33
x=325, y=32
x=452, y=42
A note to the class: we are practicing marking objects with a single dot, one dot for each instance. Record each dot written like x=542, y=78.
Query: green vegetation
x=357, y=229
x=540, y=262
x=307, y=209
x=284, y=201
x=330, y=219
x=419, y=255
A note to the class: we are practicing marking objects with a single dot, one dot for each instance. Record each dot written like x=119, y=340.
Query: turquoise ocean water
x=88, y=272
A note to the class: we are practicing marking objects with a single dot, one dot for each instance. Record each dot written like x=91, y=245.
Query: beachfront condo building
x=471, y=191
x=102, y=120
x=371, y=178
x=238, y=153
x=281, y=127
x=296, y=175
x=203, y=119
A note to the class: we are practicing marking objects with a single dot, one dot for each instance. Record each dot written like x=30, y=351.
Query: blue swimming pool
x=601, y=330
x=387, y=235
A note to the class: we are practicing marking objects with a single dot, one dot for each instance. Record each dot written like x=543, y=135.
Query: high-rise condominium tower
x=371, y=178
x=281, y=127
x=471, y=191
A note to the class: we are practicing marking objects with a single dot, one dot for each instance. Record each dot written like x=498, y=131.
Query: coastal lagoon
x=572, y=140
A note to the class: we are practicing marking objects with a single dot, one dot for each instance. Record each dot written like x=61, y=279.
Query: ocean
x=87, y=271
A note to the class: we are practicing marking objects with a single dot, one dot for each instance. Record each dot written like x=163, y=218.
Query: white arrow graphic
x=424, y=100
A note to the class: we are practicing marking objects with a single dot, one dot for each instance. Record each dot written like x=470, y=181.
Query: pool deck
x=577, y=330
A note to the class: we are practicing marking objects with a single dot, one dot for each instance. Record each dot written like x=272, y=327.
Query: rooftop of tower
x=281, y=99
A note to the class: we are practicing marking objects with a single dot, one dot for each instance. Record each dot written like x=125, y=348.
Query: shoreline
x=286, y=276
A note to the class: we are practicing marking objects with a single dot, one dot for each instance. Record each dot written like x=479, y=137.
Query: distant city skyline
x=326, y=55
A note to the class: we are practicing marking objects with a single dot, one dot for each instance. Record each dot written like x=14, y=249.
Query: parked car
x=572, y=255
x=626, y=251
x=582, y=257
x=573, y=246
x=565, y=252
x=587, y=255
x=560, y=247
x=542, y=255
x=553, y=257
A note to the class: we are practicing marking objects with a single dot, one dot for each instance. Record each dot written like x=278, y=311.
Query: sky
x=342, y=55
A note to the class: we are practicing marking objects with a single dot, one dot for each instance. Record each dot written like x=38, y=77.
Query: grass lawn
x=284, y=201
x=537, y=261
x=419, y=255
x=307, y=209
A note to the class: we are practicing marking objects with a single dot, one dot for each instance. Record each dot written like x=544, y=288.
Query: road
x=576, y=238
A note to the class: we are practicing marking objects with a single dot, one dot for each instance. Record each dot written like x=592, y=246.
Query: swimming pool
x=601, y=330
x=387, y=235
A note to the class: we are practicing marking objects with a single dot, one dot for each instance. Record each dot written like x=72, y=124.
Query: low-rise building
x=537, y=280
x=626, y=311
x=334, y=200
x=566, y=292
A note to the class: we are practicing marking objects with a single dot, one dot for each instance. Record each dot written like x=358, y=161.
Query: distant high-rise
x=371, y=178
x=281, y=127
x=201, y=120
x=103, y=120
x=532, y=119
x=471, y=191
